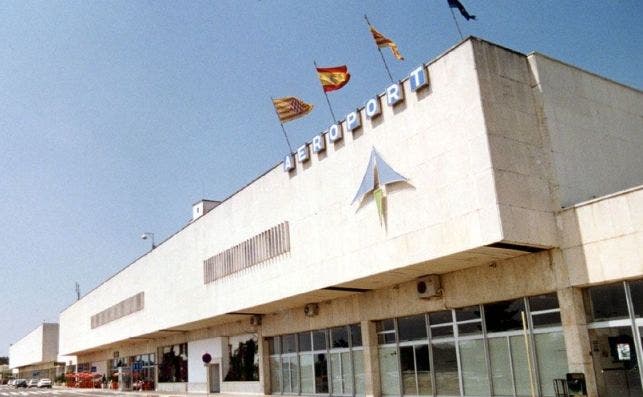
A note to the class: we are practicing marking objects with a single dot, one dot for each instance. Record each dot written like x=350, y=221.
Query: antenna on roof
x=77, y=291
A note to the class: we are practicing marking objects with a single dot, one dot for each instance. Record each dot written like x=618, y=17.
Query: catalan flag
x=333, y=78
x=383, y=41
x=290, y=108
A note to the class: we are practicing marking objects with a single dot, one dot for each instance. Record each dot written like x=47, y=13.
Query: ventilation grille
x=267, y=245
x=121, y=309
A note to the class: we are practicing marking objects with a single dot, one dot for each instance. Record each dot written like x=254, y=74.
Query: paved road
x=6, y=391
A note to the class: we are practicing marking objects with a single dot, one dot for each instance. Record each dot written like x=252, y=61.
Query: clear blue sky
x=116, y=116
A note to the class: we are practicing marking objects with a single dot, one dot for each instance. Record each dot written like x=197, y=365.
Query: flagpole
x=456, y=23
x=381, y=55
x=327, y=100
x=282, y=125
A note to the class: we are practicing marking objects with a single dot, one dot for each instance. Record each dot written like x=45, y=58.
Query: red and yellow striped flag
x=383, y=41
x=333, y=78
x=290, y=108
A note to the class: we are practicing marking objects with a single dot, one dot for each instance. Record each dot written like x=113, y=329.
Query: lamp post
x=147, y=235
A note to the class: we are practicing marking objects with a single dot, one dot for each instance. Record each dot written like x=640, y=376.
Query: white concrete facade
x=499, y=152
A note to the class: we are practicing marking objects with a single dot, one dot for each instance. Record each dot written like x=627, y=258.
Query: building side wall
x=28, y=350
x=50, y=342
x=602, y=240
x=436, y=138
x=596, y=129
x=518, y=145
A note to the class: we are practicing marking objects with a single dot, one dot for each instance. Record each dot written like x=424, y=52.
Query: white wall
x=197, y=372
x=40, y=345
x=596, y=129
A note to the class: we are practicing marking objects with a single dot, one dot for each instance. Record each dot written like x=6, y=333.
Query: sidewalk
x=151, y=393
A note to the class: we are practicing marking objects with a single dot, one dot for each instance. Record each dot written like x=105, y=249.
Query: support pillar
x=577, y=343
x=372, y=384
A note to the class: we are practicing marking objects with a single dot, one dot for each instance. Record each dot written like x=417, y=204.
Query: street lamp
x=147, y=235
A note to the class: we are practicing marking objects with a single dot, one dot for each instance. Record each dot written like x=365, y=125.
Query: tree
x=4, y=360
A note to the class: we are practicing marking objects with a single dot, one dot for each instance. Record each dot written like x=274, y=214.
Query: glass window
x=441, y=331
x=336, y=371
x=385, y=331
x=543, y=302
x=520, y=365
x=275, y=374
x=288, y=343
x=321, y=373
x=470, y=328
x=358, y=368
x=411, y=328
x=389, y=377
x=445, y=366
x=307, y=377
x=636, y=289
x=468, y=313
x=608, y=302
x=423, y=370
x=407, y=368
x=356, y=335
x=500, y=367
x=174, y=363
x=442, y=317
x=339, y=337
x=294, y=374
x=546, y=319
x=319, y=340
x=552, y=359
x=305, y=344
x=504, y=316
x=475, y=379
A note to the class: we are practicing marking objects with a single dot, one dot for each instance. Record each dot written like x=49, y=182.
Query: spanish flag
x=383, y=41
x=333, y=78
x=290, y=108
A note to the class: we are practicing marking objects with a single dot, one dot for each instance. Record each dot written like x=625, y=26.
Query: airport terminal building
x=36, y=354
x=475, y=230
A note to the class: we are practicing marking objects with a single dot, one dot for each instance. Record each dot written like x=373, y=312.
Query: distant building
x=475, y=230
x=35, y=355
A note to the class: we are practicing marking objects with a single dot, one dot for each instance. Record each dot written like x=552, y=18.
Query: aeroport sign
x=394, y=95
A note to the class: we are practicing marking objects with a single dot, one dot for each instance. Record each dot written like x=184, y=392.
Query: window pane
x=474, y=368
x=500, y=370
x=294, y=374
x=552, y=359
x=504, y=316
x=275, y=372
x=608, y=301
x=389, y=377
x=306, y=373
x=319, y=340
x=545, y=319
x=356, y=335
x=358, y=367
x=285, y=375
x=384, y=339
x=423, y=370
x=321, y=373
x=636, y=288
x=336, y=372
x=411, y=328
x=288, y=343
x=543, y=302
x=467, y=313
x=347, y=372
x=520, y=365
x=304, y=342
x=445, y=366
x=442, y=331
x=469, y=329
x=407, y=367
x=440, y=317
x=385, y=325
x=339, y=337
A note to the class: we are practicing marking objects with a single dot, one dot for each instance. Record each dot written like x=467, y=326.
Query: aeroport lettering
x=394, y=96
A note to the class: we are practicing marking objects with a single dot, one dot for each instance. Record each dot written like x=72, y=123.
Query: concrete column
x=264, y=364
x=372, y=386
x=577, y=343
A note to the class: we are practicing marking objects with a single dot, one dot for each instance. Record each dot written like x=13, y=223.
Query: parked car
x=44, y=382
x=32, y=383
x=21, y=383
x=10, y=383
